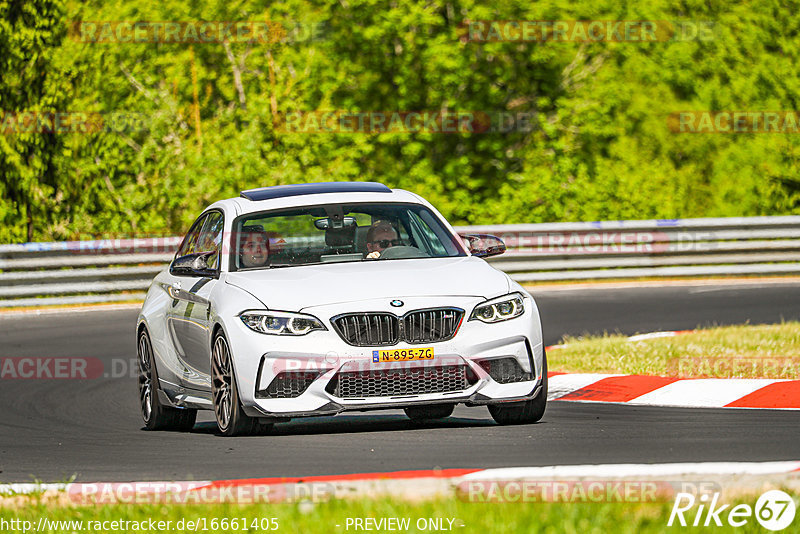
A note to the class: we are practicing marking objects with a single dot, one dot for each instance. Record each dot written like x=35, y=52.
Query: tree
x=31, y=32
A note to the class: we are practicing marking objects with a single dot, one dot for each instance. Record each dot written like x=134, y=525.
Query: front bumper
x=259, y=359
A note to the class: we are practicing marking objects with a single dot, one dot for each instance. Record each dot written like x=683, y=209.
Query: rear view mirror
x=483, y=245
x=324, y=224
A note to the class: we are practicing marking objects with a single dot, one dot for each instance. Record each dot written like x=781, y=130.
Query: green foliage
x=601, y=148
x=33, y=80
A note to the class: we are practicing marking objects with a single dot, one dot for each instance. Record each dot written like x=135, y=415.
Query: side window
x=210, y=238
x=211, y=235
x=431, y=239
x=189, y=242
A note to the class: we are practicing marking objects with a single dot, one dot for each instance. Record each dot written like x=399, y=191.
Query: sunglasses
x=386, y=243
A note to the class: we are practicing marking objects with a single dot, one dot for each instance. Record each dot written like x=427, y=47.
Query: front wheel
x=231, y=419
x=520, y=413
x=156, y=415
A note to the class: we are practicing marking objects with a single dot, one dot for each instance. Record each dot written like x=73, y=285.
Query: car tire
x=228, y=412
x=432, y=412
x=520, y=413
x=156, y=415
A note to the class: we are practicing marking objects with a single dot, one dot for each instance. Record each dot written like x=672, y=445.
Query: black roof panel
x=281, y=191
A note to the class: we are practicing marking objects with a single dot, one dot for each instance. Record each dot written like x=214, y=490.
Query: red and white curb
x=611, y=471
x=414, y=485
x=643, y=390
x=410, y=485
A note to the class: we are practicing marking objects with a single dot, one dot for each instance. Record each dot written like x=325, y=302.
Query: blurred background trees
x=600, y=148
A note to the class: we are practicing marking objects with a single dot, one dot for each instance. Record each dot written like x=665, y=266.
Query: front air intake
x=505, y=370
x=288, y=384
x=401, y=382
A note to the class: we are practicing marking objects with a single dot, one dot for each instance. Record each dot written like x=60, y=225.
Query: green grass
x=763, y=351
x=324, y=517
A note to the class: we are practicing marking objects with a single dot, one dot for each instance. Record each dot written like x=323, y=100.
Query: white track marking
x=701, y=393
x=26, y=488
x=634, y=470
x=652, y=335
x=592, y=471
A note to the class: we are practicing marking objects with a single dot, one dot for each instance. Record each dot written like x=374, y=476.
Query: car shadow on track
x=356, y=424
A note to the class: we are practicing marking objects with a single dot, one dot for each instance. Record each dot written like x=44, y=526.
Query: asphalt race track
x=53, y=429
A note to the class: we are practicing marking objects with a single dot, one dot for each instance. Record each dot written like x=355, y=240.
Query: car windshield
x=335, y=233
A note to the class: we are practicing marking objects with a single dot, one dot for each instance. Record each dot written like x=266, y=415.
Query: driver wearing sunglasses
x=380, y=236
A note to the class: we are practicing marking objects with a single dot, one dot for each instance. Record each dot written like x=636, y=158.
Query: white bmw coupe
x=314, y=299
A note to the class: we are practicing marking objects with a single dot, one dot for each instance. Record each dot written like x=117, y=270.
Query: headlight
x=499, y=309
x=281, y=323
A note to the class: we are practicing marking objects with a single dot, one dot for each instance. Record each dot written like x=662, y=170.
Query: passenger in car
x=254, y=247
x=381, y=235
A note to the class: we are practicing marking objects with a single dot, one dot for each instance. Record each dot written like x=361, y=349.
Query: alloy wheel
x=145, y=380
x=221, y=378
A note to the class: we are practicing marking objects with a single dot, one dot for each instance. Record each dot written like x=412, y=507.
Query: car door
x=191, y=308
x=176, y=308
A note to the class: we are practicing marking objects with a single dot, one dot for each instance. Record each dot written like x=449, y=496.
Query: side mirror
x=195, y=264
x=483, y=246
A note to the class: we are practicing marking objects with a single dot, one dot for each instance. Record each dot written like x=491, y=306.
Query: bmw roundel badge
x=396, y=303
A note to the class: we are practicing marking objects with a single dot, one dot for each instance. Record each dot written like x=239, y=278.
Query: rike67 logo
x=774, y=511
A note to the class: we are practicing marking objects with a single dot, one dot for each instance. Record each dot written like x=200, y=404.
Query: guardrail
x=36, y=274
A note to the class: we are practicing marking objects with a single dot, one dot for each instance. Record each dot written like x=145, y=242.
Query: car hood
x=296, y=288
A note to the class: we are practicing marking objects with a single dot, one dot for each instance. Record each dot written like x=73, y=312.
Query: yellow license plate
x=402, y=355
